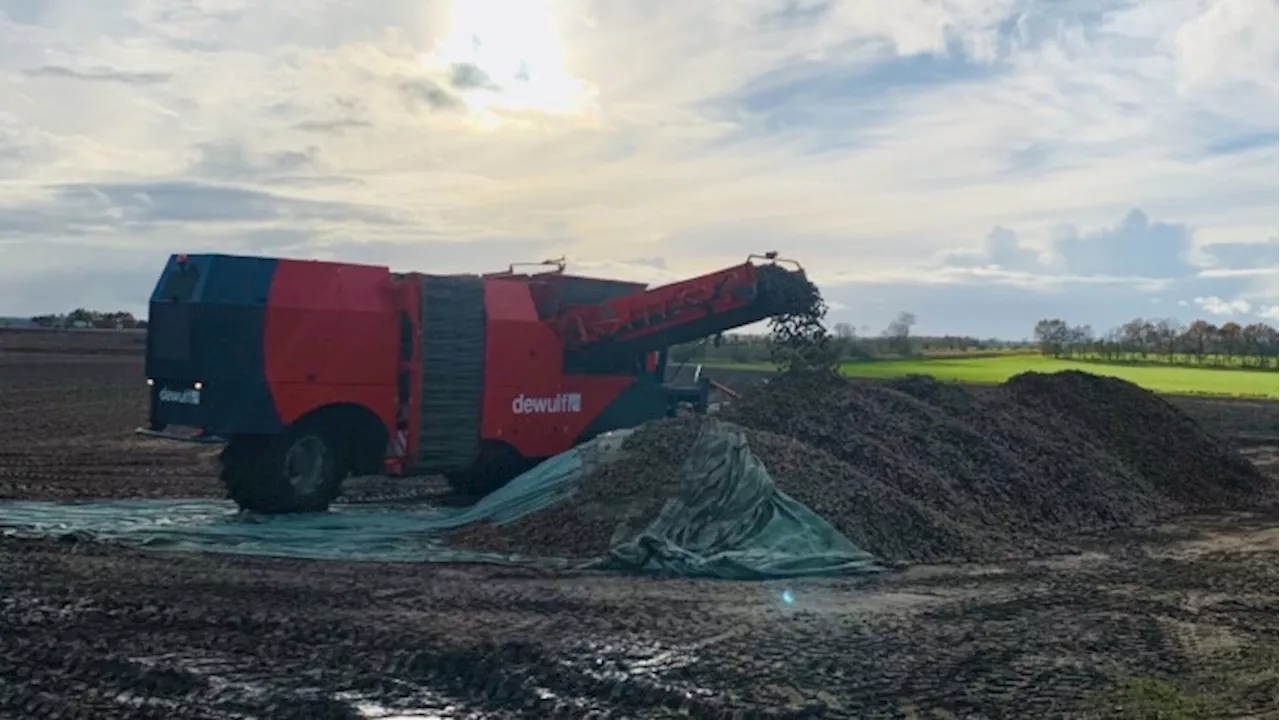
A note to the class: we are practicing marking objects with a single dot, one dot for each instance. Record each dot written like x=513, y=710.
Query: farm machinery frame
x=307, y=372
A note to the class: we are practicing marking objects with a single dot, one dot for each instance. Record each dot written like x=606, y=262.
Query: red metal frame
x=332, y=337
x=650, y=312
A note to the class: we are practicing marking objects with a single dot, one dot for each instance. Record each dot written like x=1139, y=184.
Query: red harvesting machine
x=307, y=372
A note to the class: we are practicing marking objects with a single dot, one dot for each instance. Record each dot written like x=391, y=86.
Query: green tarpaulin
x=729, y=521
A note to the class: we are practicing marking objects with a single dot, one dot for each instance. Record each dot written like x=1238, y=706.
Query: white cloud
x=1237, y=273
x=1217, y=306
x=860, y=137
x=1231, y=42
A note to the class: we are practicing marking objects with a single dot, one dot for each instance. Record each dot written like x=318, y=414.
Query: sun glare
x=515, y=45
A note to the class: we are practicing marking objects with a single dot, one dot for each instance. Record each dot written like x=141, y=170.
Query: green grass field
x=1170, y=380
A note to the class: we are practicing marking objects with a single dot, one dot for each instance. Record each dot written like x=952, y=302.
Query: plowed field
x=1173, y=620
x=67, y=432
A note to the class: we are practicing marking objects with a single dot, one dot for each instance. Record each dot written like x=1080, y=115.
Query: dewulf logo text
x=181, y=397
x=562, y=403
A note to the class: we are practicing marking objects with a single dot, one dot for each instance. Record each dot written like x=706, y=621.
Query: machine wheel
x=300, y=470
x=498, y=465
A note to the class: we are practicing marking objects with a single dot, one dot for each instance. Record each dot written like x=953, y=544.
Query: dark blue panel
x=238, y=280
x=639, y=403
x=177, y=282
x=206, y=325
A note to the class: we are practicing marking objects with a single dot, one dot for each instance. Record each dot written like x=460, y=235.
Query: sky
x=979, y=163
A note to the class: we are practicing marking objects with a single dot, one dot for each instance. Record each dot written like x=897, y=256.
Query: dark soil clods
x=922, y=471
x=925, y=471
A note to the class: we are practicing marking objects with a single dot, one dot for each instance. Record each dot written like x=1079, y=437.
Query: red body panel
x=528, y=400
x=331, y=337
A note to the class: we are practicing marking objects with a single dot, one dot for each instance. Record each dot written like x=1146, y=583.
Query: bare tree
x=1136, y=337
x=1197, y=339
x=1164, y=337
x=1230, y=340
x=899, y=333
x=1260, y=340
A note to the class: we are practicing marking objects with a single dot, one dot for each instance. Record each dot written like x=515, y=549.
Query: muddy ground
x=1178, y=620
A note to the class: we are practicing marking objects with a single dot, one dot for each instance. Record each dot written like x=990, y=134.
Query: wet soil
x=621, y=498
x=927, y=471
x=872, y=513
x=68, y=421
x=920, y=471
x=93, y=631
x=1242, y=421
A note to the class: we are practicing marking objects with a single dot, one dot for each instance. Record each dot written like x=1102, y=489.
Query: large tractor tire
x=299, y=471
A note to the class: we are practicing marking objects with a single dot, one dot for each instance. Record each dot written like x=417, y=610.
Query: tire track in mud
x=991, y=657
x=95, y=631
x=1032, y=638
x=260, y=641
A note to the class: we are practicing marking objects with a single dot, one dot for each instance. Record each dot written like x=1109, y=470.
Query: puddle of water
x=225, y=676
x=647, y=663
x=373, y=710
x=378, y=712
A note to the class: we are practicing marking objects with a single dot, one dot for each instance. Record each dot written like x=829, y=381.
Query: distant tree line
x=1163, y=340
x=894, y=341
x=82, y=318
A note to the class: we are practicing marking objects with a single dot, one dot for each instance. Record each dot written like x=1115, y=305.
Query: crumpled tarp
x=729, y=521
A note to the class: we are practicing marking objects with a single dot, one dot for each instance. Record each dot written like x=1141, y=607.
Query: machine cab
x=204, y=352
